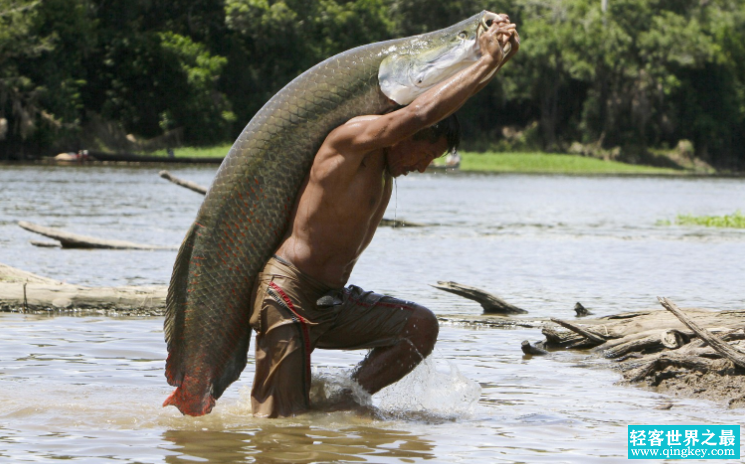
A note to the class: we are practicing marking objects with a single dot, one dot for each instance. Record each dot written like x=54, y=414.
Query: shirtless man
x=301, y=301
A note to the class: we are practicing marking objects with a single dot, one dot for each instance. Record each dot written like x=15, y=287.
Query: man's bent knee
x=422, y=329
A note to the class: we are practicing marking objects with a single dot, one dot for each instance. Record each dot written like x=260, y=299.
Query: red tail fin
x=189, y=403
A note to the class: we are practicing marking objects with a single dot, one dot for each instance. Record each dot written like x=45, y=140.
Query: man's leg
x=388, y=364
x=281, y=382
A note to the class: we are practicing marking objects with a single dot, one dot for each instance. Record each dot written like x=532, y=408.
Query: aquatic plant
x=734, y=221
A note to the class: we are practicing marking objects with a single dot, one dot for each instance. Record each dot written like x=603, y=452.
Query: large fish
x=246, y=211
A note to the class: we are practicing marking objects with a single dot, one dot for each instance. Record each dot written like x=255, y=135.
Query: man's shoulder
x=351, y=127
x=342, y=140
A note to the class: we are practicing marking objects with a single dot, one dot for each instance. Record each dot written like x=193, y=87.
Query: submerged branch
x=492, y=304
x=183, y=183
x=70, y=240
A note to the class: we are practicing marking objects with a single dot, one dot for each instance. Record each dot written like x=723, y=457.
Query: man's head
x=418, y=151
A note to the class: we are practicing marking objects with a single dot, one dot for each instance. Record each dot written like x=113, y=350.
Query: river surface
x=88, y=388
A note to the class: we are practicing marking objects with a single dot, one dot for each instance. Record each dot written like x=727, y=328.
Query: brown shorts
x=293, y=314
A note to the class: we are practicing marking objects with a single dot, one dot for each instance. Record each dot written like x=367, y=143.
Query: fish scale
x=246, y=212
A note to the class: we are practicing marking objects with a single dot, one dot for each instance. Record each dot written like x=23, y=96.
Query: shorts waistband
x=280, y=267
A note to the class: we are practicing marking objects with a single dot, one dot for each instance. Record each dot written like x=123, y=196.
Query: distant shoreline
x=488, y=162
x=551, y=163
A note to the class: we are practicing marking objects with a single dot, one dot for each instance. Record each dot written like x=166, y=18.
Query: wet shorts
x=293, y=314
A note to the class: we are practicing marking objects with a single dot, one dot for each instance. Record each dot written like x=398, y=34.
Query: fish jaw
x=430, y=58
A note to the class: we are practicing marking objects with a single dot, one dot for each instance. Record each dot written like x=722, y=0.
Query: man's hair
x=448, y=128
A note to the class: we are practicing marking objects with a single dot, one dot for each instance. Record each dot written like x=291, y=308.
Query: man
x=300, y=300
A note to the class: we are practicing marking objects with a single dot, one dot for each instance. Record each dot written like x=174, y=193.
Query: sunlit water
x=89, y=388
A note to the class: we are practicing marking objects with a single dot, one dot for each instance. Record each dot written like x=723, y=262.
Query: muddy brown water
x=88, y=388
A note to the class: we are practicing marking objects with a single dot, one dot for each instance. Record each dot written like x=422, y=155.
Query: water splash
x=330, y=389
x=430, y=393
x=427, y=393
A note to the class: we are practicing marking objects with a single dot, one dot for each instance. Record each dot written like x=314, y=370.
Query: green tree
x=275, y=41
x=153, y=79
x=20, y=109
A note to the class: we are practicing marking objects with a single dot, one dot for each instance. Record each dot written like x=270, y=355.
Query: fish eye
x=462, y=34
x=489, y=22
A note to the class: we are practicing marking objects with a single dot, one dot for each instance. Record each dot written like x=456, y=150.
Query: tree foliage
x=636, y=75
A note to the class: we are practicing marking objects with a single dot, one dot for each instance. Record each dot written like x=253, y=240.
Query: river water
x=88, y=388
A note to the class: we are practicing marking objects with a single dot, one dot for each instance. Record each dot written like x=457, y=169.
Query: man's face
x=413, y=155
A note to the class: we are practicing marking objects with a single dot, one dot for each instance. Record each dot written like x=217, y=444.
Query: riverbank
x=534, y=162
x=550, y=163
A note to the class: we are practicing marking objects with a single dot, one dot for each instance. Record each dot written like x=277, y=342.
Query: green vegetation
x=219, y=151
x=493, y=162
x=551, y=163
x=736, y=220
x=135, y=75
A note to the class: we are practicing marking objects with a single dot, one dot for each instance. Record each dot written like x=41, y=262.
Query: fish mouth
x=422, y=62
x=487, y=20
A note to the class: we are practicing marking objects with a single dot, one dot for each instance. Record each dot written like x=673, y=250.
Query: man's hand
x=514, y=40
x=493, y=41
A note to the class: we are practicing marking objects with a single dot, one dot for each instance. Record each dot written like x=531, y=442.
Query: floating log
x=492, y=304
x=70, y=240
x=24, y=291
x=692, y=353
x=183, y=183
x=203, y=190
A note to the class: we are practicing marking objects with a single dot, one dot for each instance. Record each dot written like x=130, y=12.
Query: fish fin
x=231, y=370
x=189, y=403
x=173, y=327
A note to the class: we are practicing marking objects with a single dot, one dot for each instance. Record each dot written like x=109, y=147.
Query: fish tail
x=192, y=398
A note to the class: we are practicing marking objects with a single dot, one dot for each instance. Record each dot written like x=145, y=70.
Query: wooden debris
x=588, y=334
x=70, y=240
x=581, y=310
x=673, y=339
x=27, y=292
x=669, y=351
x=40, y=244
x=532, y=350
x=491, y=303
x=183, y=183
x=715, y=342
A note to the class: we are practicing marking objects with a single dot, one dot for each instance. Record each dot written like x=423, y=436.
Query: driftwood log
x=26, y=292
x=184, y=183
x=692, y=353
x=203, y=190
x=70, y=240
x=492, y=304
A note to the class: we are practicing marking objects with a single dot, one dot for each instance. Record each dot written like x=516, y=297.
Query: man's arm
x=362, y=135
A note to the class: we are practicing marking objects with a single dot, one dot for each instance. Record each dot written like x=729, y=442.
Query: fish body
x=246, y=212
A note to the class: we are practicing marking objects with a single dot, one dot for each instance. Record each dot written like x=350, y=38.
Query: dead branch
x=592, y=336
x=492, y=304
x=70, y=240
x=715, y=342
x=183, y=183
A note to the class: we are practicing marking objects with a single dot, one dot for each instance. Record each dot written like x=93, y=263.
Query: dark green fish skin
x=246, y=213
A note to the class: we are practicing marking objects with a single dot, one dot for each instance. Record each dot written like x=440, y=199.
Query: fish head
x=418, y=63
